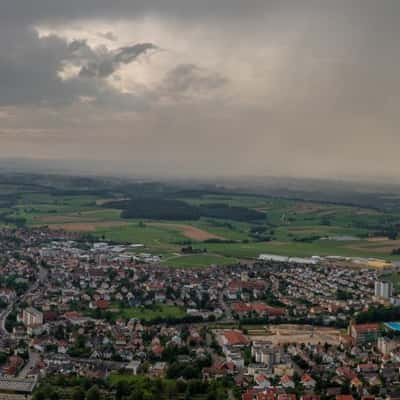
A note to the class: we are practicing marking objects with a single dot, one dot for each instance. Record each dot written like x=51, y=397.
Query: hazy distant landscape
x=199, y=200
x=205, y=223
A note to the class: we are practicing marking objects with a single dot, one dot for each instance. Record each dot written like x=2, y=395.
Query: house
x=250, y=394
x=262, y=381
x=261, y=309
x=158, y=370
x=287, y=396
x=308, y=382
x=218, y=370
x=365, y=333
x=356, y=383
x=287, y=382
x=233, y=338
x=133, y=367
x=13, y=364
x=62, y=347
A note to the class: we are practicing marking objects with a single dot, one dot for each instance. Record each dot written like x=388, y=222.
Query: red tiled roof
x=344, y=397
x=49, y=315
x=250, y=394
x=287, y=396
x=102, y=304
x=286, y=379
x=72, y=315
x=364, y=328
x=306, y=378
x=235, y=338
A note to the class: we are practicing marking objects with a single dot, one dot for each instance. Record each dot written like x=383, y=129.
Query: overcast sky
x=204, y=87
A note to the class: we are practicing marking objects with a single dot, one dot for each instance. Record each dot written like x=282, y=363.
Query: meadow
x=152, y=313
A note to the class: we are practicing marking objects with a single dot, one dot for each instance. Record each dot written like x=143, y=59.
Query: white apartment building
x=32, y=317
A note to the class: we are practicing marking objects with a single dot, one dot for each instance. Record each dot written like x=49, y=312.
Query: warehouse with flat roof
x=16, y=388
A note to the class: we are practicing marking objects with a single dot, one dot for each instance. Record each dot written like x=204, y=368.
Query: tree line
x=169, y=209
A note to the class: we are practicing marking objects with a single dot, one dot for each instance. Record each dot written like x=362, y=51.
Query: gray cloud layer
x=105, y=63
x=267, y=86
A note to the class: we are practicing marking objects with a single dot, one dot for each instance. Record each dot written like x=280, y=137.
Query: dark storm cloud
x=30, y=72
x=42, y=10
x=30, y=67
x=60, y=10
x=103, y=63
x=311, y=85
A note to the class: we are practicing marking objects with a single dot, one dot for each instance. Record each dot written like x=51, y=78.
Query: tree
x=93, y=393
x=78, y=394
x=122, y=389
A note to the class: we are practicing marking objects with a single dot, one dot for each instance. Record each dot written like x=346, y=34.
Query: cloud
x=108, y=35
x=31, y=69
x=101, y=63
x=307, y=87
x=51, y=71
x=189, y=77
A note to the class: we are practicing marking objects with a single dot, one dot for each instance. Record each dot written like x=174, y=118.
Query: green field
x=198, y=260
x=294, y=227
x=292, y=249
x=160, y=240
x=152, y=313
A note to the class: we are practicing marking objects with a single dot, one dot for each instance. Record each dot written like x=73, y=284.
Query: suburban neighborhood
x=74, y=306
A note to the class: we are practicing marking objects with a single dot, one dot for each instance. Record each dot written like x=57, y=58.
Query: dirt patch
x=308, y=229
x=308, y=208
x=378, y=246
x=190, y=231
x=381, y=239
x=102, y=202
x=374, y=249
x=86, y=226
x=299, y=334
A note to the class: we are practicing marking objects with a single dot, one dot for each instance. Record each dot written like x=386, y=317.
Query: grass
x=293, y=249
x=34, y=206
x=198, y=260
x=230, y=230
x=158, y=239
x=152, y=313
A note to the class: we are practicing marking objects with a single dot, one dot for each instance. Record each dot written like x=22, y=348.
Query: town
x=75, y=306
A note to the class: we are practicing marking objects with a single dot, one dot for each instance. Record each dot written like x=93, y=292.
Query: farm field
x=288, y=227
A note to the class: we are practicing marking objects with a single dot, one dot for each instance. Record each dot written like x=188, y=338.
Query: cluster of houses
x=88, y=316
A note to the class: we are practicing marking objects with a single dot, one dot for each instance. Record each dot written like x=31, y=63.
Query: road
x=41, y=278
x=3, y=317
x=34, y=358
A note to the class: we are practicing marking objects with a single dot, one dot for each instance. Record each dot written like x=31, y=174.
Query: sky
x=203, y=88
